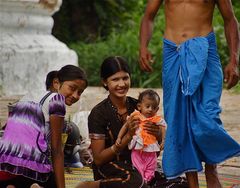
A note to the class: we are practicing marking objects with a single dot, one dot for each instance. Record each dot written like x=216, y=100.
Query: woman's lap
x=118, y=175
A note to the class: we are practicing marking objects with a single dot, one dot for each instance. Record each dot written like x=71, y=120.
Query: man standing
x=192, y=84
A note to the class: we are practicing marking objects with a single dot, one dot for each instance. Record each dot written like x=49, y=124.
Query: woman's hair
x=71, y=72
x=112, y=65
x=49, y=79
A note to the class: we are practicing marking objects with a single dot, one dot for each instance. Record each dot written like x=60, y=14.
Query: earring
x=105, y=85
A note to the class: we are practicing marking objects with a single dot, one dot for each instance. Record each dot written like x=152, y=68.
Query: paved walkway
x=230, y=115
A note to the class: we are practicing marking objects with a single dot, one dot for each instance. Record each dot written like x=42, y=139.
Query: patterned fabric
x=118, y=174
x=24, y=147
x=192, y=86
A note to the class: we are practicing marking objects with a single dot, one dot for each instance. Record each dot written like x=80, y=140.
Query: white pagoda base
x=28, y=51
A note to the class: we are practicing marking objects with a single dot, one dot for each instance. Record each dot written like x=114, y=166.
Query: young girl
x=76, y=146
x=21, y=165
x=144, y=145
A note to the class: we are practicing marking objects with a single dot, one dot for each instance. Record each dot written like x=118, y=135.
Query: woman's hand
x=153, y=129
x=162, y=146
x=118, y=141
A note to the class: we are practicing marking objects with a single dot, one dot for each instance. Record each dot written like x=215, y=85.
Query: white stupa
x=28, y=50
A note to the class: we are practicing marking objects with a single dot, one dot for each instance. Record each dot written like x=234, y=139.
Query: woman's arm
x=163, y=131
x=56, y=125
x=102, y=155
x=132, y=124
x=121, y=133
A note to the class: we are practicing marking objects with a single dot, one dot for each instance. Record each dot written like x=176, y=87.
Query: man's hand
x=162, y=146
x=231, y=75
x=145, y=60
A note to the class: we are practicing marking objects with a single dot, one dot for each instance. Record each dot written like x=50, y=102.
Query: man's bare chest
x=190, y=1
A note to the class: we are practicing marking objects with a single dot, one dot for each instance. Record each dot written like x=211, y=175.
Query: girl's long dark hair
x=71, y=72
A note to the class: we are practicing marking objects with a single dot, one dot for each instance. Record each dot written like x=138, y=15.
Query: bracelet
x=115, y=150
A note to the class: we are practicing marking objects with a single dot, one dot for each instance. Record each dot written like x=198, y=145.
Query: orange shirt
x=147, y=138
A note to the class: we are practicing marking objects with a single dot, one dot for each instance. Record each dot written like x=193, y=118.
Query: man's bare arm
x=146, y=30
x=231, y=72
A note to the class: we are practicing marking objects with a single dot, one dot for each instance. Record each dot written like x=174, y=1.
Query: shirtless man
x=189, y=26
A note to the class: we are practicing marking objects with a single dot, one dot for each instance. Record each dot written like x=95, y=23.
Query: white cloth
x=80, y=118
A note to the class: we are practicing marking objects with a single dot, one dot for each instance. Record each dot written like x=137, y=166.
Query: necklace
x=121, y=117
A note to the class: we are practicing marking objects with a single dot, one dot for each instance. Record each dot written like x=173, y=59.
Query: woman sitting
x=112, y=165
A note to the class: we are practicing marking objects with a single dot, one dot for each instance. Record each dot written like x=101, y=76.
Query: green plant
x=122, y=39
x=123, y=42
x=236, y=89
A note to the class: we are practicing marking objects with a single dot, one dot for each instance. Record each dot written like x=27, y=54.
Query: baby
x=145, y=146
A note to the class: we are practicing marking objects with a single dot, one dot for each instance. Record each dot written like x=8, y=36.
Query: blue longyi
x=192, y=87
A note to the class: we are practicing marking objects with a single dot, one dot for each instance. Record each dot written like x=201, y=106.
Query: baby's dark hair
x=71, y=72
x=112, y=65
x=49, y=79
x=151, y=94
